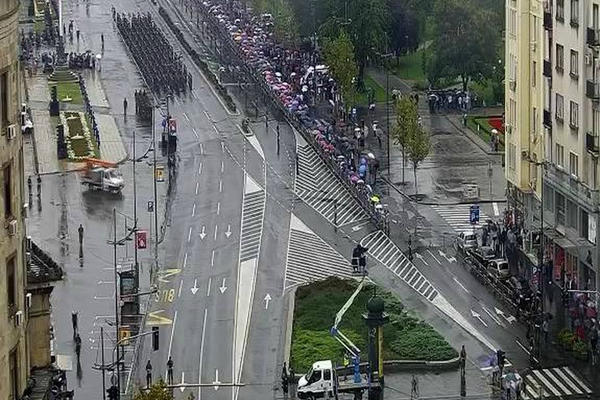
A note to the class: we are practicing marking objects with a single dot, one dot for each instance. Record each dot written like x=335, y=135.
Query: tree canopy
x=339, y=56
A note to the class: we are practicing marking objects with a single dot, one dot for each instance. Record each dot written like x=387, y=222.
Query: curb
x=287, y=349
x=474, y=138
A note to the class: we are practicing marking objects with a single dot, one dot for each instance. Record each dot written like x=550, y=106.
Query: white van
x=319, y=382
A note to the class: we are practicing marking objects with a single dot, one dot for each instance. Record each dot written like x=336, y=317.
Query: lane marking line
x=218, y=208
x=180, y=286
x=216, y=230
x=190, y=234
x=201, y=149
x=184, y=261
x=195, y=133
x=434, y=257
x=194, y=210
x=212, y=258
x=197, y=186
x=208, y=287
x=186, y=117
x=172, y=332
x=202, y=352
x=220, y=186
x=460, y=284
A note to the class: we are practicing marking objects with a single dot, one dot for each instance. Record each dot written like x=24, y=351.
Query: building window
x=573, y=115
x=574, y=13
x=560, y=58
x=13, y=372
x=574, y=64
x=583, y=224
x=595, y=21
x=560, y=209
x=560, y=155
x=512, y=26
x=571, y=214
x=533, y=121
x=548, y=198
x=7, y=182
x=533, y=74
x=3, y=100
x=560, y=107
x=560, y=10
x=512, y=156
x=573, y=164
x=11, y=285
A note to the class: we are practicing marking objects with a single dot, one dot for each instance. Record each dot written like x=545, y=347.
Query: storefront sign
x=592, y=228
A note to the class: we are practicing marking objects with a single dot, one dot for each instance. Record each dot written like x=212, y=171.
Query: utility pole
x=114, y=243
x=387, y=120
x=155, y=196
x=135, y=249
x=103, y=371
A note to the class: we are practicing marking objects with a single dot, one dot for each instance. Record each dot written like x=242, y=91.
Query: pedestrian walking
x=463, y=360
x=80, y=231
x=102, y=39
x=170, y=371
x=74, y=322
x=39, y=186
x=125, y=106
x=77, y=34
x=77, y=345
x=29, y=184
x=284, y=380
x=148, y=374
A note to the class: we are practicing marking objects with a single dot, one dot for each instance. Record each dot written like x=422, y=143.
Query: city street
x=246, y=218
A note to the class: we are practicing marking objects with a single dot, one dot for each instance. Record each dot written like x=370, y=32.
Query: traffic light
x=155, y=338
x=501, y=357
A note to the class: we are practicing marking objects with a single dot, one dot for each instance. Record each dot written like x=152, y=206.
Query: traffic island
x=407, y=341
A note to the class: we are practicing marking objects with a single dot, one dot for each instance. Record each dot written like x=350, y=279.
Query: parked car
x=521, y=288
x=483, y=254
x=499, y=268
x=466, y=241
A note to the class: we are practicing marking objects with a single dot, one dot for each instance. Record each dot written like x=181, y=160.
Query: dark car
x=521, y=288
x=484, y=254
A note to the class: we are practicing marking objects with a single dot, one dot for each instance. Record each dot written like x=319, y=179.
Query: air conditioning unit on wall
x=11, y=131
x=18, y=318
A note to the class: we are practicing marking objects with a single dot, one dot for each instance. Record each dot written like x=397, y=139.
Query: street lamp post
x=114, y=243
x=155, y=267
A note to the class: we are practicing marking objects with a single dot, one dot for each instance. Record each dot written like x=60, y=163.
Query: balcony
x=547, y=69
x=592, y=144
x=572, y=186
x=593, y=37
x=592, y=90
x=547, y=119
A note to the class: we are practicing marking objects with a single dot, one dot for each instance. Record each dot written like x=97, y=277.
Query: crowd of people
x=161, y=67
x=301, y=87
x=89, y=110
x=143, y=105
x=450, y=100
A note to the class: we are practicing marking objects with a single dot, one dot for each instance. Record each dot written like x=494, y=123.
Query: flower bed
x=482, y=127
x=78, y=137
x=406, y=337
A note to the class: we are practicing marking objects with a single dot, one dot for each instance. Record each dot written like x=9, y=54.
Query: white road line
x=220, y=186
x=522, y=347
x=495, y=207
x=186, y=117
x=172, y=332
x=201, y=149
x=207, y=114
x=222, y=166
x=432, y=255
x=218, y=208
x=184, y=260
x=197, y=186
x=195, y=133
x=190, y=234
x=208, y=287
x=493, y=317
x=212, y=258
x=460, y=284
x=215, y=128
x=201, y=352
x=180, y=286
x=194, y=210
x=216, y=230
x=200, y=169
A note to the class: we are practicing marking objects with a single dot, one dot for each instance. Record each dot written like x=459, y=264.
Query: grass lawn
x=410, y=66
x=405, y=336
x=68, y=89
x=485, y=130
x=371, y=85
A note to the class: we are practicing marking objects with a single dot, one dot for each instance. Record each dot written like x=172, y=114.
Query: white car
x=499, y=268
x=466, y=241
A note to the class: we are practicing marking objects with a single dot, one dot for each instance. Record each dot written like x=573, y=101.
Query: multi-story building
x=14, y=359
x=553, y=148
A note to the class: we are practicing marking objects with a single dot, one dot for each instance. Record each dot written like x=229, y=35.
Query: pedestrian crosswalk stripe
x=558, y=381
x=253, y=208
x=310, y=258
x=457, y=216
x=384, y=250
x=319, y=188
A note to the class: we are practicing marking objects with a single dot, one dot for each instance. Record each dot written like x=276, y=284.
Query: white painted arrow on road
x=267, y=300
x=203, y=233
x=493, y=317
x=510, y=319
x=223, y=288
x=475, y=315
x=182, y=382
x=216, y=382
x=228, y=233
x=420, y=257
x=358, y=227
x=195, y=288
x=449, y=259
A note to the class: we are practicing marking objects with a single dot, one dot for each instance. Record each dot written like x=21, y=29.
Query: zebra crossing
x=457, y=216
x=310, y=258
x=319, y=188
x=253, y=209
x=387, y=253
x=559, y=382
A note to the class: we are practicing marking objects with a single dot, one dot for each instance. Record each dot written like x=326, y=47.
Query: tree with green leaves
x=465, y=42
x=158, y=391
x=418, y=149
x=406, y=125
x=285, y=25
x=339, y=56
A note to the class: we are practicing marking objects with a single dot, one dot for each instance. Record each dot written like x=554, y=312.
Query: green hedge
x=405, y=336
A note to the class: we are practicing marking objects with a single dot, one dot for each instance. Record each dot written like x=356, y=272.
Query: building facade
x=553, y=148
x=14, y=359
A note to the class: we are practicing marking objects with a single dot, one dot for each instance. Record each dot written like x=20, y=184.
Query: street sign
x=140, y=239
x=124, y=334
x=160, y=173
x=150, y=206
x=474, y=214
x=172, y=126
